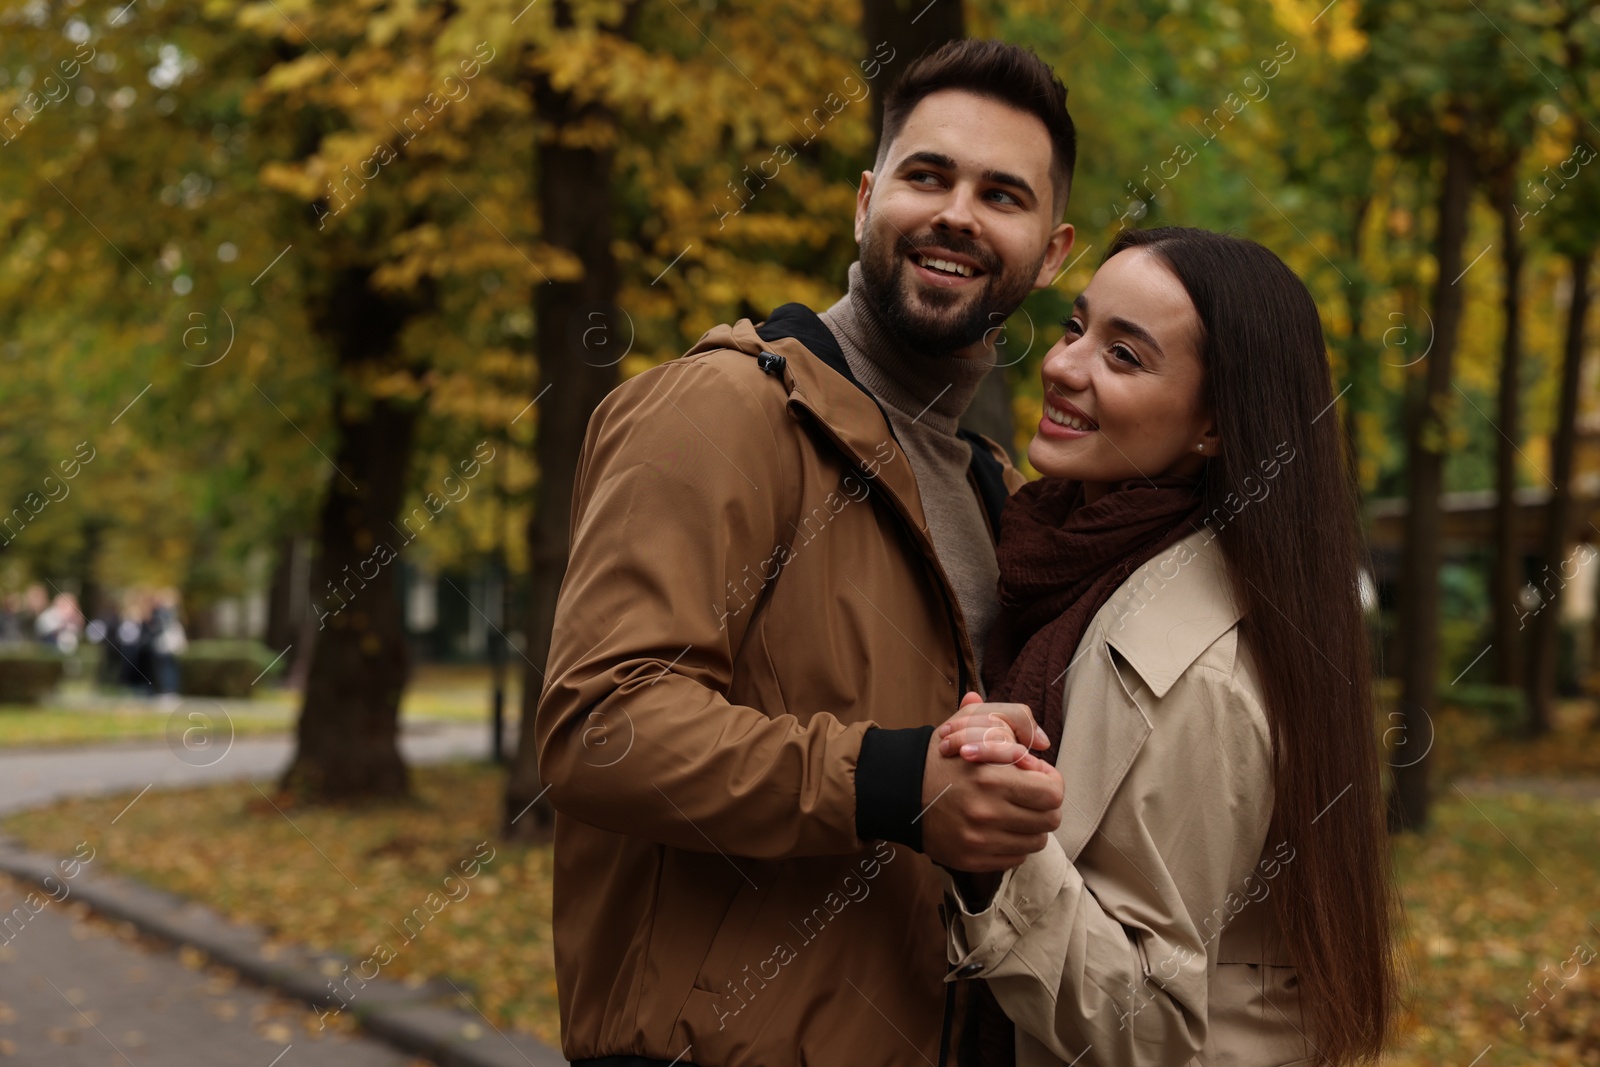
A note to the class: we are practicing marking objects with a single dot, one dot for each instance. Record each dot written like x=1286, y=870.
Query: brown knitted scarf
x=1060, y=560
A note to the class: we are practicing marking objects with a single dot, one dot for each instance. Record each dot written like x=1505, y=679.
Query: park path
x=76, y=993
x=33, y=777
x=74, y=990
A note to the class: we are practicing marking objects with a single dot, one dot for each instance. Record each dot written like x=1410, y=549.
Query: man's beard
x=939, y=322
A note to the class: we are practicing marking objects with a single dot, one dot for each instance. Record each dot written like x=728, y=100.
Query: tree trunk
x=1358, y=357
x=1507, y=577
x=347, y=737
x=282, y=623
x=1425, y=445
x=197, y=602
x=499, y=609
x=1546, y=633
x=580, y=340
x=910, y=28
x=92, y=598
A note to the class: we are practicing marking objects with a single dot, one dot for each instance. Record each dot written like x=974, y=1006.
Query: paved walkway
x=33, y=777
x=74, y=991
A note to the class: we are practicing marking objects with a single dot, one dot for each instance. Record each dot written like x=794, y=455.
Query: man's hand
x=989, y=815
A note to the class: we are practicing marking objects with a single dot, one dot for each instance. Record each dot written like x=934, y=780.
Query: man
x=782, y=570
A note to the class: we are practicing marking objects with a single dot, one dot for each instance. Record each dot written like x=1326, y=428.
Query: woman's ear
x=1210, y=442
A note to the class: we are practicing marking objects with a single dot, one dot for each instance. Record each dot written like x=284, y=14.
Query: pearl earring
x=1201, y=447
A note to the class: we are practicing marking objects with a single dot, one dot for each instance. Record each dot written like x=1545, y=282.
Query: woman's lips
x=1058, y=423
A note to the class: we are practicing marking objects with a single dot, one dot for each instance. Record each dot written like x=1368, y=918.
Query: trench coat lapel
x=1136, y=647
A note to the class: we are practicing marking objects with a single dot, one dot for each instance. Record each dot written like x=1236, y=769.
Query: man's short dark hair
x=1001, y=72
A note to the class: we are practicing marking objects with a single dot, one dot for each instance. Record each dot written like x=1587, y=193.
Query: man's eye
x=921, y=177
x=1004, y=197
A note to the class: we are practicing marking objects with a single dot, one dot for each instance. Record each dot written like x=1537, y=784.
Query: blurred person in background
x=167, y=641
x=60, y=625
x=127, y=647
x=11, y=628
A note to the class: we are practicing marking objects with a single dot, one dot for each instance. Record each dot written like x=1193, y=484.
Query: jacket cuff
x=889, y=785
x=977, y=942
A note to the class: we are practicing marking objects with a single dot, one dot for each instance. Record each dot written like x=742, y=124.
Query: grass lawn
x=1498, y=895
x=55, y=725
x=1468, y=746
x=78, y=716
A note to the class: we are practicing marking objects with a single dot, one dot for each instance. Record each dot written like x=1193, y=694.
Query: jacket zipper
x=898, y=509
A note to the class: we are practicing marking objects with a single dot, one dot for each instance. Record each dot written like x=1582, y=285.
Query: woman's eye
x=1125, y=354
x=1072, y=326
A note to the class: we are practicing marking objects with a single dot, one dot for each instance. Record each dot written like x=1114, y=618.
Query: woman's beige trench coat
x=1143, y=933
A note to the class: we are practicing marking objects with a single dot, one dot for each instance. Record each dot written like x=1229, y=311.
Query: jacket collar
x=819, y=380
x=821, y=384
x=1171, y=610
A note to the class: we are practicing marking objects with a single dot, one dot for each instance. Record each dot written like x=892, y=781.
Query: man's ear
x=1055, y=253
x=863, y=202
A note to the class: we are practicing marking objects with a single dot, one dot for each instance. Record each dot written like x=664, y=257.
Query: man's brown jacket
x=753, y=640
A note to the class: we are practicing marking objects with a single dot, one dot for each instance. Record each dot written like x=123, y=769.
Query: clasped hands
x=988, y=801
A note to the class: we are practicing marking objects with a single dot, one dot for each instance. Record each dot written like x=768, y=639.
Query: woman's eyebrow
x=1122, y=325
x=1133, y=329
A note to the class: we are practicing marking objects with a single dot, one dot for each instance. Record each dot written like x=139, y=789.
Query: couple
x=866, y=751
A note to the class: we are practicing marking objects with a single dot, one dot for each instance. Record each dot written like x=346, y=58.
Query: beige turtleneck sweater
x=925, y=396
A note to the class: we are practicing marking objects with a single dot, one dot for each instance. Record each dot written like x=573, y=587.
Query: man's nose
x=958, y=212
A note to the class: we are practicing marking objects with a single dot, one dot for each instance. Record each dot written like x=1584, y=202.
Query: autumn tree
x=319, y=152
x=577, y=316
x=133, y=332
x=1572, y=223
x=1437, y=136
x=383, y=110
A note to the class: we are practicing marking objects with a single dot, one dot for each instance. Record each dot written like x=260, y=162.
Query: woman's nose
x=1065, y=365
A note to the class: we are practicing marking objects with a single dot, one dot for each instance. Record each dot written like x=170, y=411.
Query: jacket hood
x=740, y=336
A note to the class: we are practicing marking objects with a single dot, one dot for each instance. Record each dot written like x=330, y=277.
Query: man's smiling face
x=960, y=222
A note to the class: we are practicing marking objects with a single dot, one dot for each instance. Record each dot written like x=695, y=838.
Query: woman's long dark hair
x=1293, y=544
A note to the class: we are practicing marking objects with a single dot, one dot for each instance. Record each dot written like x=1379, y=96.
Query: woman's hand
x=992, y=734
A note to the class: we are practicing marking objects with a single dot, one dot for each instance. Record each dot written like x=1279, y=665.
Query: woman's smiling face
x=1123, y=388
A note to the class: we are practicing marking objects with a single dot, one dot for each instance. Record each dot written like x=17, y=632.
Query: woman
x=1180, y=609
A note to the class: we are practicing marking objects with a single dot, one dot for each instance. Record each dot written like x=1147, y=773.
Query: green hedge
x=225, y=668
x=28, y=672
